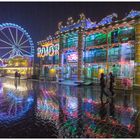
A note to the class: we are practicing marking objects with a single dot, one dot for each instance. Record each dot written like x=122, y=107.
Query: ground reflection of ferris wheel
x=14, y=103
x=15, y=41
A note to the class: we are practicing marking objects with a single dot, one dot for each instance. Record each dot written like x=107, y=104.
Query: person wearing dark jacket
x=102, y=85
x=16, y=75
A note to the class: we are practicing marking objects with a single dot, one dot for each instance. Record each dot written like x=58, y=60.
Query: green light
x=71, y=40
x=96, y=39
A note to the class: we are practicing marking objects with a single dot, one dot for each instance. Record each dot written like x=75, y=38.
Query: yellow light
x=100, y=71
x=47, y=44
x=18, y=68
x=52, y=72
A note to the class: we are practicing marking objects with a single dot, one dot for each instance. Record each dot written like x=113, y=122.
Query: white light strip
x=10, y=86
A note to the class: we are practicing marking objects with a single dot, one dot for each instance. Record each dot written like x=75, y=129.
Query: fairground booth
x=84, y=49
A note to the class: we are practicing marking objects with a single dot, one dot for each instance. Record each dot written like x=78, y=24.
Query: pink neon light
x=72, y=57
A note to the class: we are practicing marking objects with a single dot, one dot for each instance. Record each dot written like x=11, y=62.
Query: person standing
x=103, y=85
x=16, y=75
x=19, y=75
x=111, y=83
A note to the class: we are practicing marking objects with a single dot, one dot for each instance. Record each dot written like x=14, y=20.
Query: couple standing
x=106, y=84
x=17, y=75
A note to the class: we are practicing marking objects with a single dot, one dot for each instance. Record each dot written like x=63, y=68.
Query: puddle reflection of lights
x=10, y=86
x=47, y=110
x=72, y=103
x=16, y=112
x=16, y=98
x=1, y=90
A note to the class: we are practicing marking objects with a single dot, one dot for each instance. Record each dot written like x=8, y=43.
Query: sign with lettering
x=45, y=50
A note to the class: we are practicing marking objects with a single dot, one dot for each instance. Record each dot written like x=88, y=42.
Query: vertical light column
x=80, y=53
x=107, y=48
x=137, y=53
x=107, y=51
x=60, y=55
x=41, y=66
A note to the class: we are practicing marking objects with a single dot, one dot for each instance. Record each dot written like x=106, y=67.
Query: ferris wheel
x=15, y=41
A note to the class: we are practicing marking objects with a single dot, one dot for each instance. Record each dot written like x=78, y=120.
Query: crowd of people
x=107, y=85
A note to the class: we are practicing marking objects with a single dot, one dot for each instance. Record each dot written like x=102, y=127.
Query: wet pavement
x=40, y=109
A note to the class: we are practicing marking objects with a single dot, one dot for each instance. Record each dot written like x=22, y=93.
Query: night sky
x=40, y=19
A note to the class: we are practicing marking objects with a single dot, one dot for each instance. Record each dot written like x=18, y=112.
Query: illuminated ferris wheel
x=15, y=41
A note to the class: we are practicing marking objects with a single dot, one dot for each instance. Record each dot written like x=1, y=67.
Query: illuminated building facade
x=48, y=51
x=86, y=48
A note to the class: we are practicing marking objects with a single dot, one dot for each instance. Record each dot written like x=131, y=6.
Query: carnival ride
x=15, y=44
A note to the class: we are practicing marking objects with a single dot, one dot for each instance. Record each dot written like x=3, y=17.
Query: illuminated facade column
x=42, y=67
x=137, y=53
x=60, y=55
x=80, y=53
x=107, y=49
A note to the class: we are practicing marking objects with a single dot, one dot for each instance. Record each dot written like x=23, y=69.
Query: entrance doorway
x=74, y=72
x=70, y=71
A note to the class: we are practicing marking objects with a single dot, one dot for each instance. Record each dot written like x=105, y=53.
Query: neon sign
x=72, y=57
x=46, y=50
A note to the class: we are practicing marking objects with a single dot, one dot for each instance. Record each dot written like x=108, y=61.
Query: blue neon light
x=7, y=25
x=7, y=118
x=108, y=19
x=133, y=13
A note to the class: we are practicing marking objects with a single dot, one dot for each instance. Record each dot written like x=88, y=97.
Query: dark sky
x=40, y=19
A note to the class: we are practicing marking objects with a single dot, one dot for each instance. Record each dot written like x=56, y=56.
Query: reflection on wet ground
x=37, y=109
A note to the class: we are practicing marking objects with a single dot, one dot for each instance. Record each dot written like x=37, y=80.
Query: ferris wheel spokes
x=25, y=51
x=5, y=47
x=21, y=53
x=16, y=53
x=20, y=38
x=6, y=36
x=6, y=42
x=16, y=36
x=25, y=47
x=24, y=42
x=12, y=35
x=6, y=54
